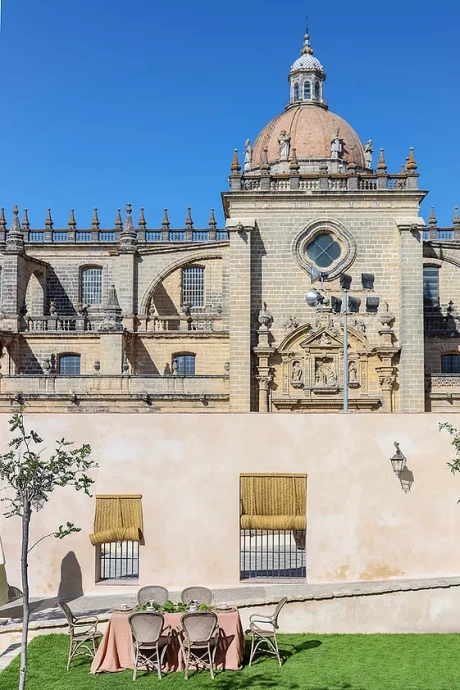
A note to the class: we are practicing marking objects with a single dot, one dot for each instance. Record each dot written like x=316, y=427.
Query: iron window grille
x=69, y=365
x=119, y=560
x=185, y=365
x=272, y=554
x=193, y=286
x=91, y=286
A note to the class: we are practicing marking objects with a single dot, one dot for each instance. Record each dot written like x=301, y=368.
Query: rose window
x=323, y=250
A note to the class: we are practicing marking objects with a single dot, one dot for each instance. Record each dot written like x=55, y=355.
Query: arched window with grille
x=307, y=91
x=296, y=92
x=183, y=364
x=91, y=285
x=450, y=363
x=317, y=90
x=193, y=286
x=69, y=364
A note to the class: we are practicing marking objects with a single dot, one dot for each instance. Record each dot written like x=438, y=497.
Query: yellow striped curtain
x=273, y=501
x=117, y=518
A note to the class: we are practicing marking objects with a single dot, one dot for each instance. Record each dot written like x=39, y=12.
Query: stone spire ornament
x=2, y=219
x=165, y=222
x=381, y=165
x=411, y=164
x=72, y=222
x=235, y=166
x=113, y=320
x=49, y=221
x=265, y=164
x=15, y=238
x=432, y=219
x=188, y=220
x=95, y=221
x=118, y=221
x=294, y=164
x=212, y=224
x=456, y=219
x=142, y=224
x=128, y=236
x=351, y=167
x=25, y=221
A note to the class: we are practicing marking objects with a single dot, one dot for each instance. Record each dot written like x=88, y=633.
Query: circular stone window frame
x=339, y=233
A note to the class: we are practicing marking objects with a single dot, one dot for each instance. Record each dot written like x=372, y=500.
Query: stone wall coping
x=243, y=596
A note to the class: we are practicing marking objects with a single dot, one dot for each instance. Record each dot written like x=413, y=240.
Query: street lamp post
x=345, y=350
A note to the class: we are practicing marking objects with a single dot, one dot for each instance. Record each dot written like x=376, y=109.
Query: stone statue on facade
x=284, y=141
x=247, y=156
x=297, y=374
x=290, y=324
x=336, y=144
x=368, y=151
x=352, y=372
x=325, y=374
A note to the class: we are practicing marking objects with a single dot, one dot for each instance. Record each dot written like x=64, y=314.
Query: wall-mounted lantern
x=398, y=460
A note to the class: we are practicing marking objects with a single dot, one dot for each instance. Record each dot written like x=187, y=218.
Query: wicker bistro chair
x=202, y=595
x=262, y=630
x=84, y=635
x=152, y=593
x=149, y=644
x=198, y=641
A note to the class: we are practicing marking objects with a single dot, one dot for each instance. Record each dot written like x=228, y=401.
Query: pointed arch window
x=193, y=286
x=317, y=90
x=307, y=91
x=296, y=92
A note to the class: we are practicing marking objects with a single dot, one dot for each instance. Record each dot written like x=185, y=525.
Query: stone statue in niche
x=324, y=373
x=353, y=375
x=297, y=374
x=284, y=141
x=247, y=156
x=368, y=151
x=336, y=144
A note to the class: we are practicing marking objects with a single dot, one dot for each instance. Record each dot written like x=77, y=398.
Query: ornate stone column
x=263, y=352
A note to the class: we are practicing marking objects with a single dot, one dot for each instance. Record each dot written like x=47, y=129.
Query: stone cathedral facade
x=215, y=319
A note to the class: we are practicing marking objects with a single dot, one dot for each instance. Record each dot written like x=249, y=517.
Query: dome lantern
x=307, y=77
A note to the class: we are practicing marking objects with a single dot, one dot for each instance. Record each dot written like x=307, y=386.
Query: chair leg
x=69, y=658
x=157, y=651
x=187, y=661
x=277, y=649
x=251, y=655
x=136, y=653
x=210, y=662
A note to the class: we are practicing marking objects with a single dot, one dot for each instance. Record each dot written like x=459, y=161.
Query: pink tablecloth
x=115, y=651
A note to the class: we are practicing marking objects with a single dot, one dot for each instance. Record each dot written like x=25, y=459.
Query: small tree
x=30, y=479
x=454, y=464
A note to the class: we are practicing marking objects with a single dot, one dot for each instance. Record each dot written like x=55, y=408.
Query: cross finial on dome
x=307, y=49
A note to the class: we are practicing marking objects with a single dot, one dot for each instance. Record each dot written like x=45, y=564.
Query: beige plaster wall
x=361, y=525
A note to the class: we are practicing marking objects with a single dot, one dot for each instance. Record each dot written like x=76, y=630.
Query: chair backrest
x=199, y=627
x=276, y=612
x=202, y=595
x=152, y=593
x=67, y=612
x=146, y=627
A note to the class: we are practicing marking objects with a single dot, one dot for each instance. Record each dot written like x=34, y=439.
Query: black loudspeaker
x=367, y=281
x=372, y=304
x=353, y=305
x=345, y=281
x=336, y=304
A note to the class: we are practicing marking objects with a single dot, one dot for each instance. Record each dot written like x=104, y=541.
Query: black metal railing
x=119, y=561
x=272, y=554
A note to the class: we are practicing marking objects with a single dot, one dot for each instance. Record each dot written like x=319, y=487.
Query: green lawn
x=311, y=662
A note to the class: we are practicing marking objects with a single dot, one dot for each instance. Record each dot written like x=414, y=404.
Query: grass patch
x=311, y=662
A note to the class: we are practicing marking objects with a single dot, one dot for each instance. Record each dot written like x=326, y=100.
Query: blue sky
x=143, y=101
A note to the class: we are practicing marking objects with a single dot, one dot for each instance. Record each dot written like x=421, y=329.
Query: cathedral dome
x=311, y=129
x=307, y=61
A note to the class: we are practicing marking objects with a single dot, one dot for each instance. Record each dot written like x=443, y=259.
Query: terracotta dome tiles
x=311, y=129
